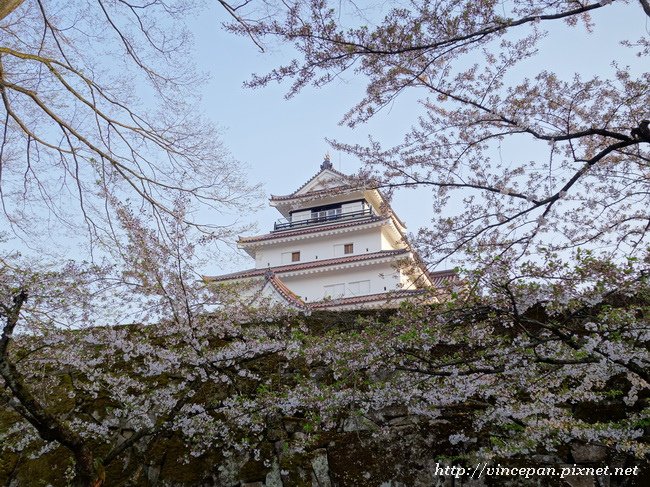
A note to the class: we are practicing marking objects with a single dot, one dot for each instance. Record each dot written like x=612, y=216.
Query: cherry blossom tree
x=98, y=100
x=527, y=358
x=115, y=384
x=524, y=368
x=548, y=337
x=99, y=128
x=586, y=181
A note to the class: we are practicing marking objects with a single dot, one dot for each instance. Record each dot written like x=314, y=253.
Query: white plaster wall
x=311, y=287
x=388, y=242
x=319, y=248
x=407, y=282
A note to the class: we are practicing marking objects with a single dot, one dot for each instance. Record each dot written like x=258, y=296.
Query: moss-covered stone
x=389, y=447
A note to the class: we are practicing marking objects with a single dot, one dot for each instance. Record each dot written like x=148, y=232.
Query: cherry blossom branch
x=47, y=425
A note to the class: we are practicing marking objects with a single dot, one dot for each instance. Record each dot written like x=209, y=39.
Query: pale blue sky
x=283, y=141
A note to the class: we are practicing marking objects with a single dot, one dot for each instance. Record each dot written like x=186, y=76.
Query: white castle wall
x=319, y=248
x=312, y=287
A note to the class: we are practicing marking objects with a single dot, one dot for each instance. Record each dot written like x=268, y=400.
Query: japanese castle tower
x=339, y=246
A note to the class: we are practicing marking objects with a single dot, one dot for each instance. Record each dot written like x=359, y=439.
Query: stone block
x=320, y=469
x=585, y=453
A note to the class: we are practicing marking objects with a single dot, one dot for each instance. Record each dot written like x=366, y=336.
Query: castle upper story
x=338, y=244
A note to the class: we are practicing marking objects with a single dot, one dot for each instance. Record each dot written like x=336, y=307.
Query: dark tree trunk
x=85, y=473
x=48, y=425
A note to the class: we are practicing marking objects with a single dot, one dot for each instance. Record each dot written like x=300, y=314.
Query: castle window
x=289, y=257
x=358, y=288
x=335, y=291
x=343, y=249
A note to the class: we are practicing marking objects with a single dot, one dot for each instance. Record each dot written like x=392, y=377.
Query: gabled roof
x=281, y=288
x=309, y=265
x=348, y=184
x=327, y=174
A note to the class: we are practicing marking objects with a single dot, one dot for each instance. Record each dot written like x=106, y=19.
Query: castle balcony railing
x=327, y=216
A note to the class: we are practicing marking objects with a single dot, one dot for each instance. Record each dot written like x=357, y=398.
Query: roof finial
x=326, y=163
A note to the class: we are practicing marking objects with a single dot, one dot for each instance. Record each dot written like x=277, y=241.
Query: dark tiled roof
x=319, y=192
x=369, y=298
x=309, y=265
x=304, y=231
x=284, y=291
x=442, y=278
